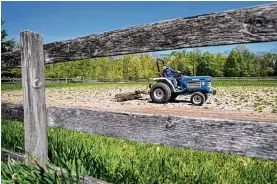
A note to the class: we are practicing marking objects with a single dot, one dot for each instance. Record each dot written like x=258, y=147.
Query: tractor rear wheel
x=206, y=97
x=197, y=98
x=160, y=93
x=173, y=97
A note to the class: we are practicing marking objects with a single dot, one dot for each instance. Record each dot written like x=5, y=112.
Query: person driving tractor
x=168, y=73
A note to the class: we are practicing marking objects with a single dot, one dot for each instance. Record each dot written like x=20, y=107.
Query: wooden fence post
x=35, y=119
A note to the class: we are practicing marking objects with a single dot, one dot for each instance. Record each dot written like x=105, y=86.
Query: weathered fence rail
x=8, y=155
x=250, y=138
x=255, y=24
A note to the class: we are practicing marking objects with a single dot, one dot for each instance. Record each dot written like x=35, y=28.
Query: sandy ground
x=239, y=103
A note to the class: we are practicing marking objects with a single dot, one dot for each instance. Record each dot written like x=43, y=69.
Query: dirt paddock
x=238, y=103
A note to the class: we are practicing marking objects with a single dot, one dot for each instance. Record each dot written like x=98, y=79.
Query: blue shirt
x=168, y=73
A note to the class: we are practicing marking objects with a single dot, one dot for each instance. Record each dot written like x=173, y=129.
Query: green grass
x=11, y=87
x=83, y=85
x=122, y=161
x=16, y=172
x=216, y=83
x=244, y=82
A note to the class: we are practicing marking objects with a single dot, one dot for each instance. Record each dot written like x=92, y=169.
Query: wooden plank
x=254, y=24
x=14, y=112
x=250, y=138
x=8, y=155
x=35, y=120
x=11, y=59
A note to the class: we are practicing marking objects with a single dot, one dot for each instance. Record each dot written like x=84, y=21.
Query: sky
x=63, y=20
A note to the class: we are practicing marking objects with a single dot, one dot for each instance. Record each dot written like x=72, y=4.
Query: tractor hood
x=196, y=78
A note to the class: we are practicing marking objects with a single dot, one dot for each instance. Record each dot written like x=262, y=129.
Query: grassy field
x=215, y=83
x=244, y=82
x=122, y=161
x=18, y=86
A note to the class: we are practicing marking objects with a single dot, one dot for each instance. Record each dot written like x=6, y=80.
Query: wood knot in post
x=37, y=83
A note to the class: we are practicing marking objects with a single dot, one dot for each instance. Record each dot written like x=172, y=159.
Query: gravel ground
x=245, y=102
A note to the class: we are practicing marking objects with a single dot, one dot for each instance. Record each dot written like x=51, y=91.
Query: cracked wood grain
x=247, y=25
x=250, y=138
x=35, y=137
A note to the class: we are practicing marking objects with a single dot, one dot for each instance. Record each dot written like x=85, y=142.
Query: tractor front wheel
x=197, y=98
x=160, y=93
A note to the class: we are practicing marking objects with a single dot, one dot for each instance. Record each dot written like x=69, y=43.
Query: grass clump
x=16, y=172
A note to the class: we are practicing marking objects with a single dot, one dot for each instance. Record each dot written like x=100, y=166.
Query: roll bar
x=157, y=63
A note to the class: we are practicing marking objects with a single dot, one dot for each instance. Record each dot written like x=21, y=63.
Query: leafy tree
x=218, y=65
x=247, y=66
x=235, y=65
x=195, y=59
x=6, y=44
x=205, y=64
x=210, y=64
x=147, y=66
x=267, y=64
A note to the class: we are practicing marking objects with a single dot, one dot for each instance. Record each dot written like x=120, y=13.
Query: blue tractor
x=199, y=87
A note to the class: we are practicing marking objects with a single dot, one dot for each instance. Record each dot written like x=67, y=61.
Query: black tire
x=160, y=93
x=173, y=97
x=206, y=97
x=197, y=98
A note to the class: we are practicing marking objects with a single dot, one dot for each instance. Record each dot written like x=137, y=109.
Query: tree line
x=240, y=62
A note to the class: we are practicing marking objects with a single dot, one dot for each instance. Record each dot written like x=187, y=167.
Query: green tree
x=195, y=59
x=267, y=64
x=218, y=65
x=209, y=64
x=6, y=44
x=148, y=68
x=247, y=66
x=234, y=66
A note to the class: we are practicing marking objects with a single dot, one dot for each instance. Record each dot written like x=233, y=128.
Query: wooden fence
x=257, y=139
x=90, y=81
x=76, y=80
